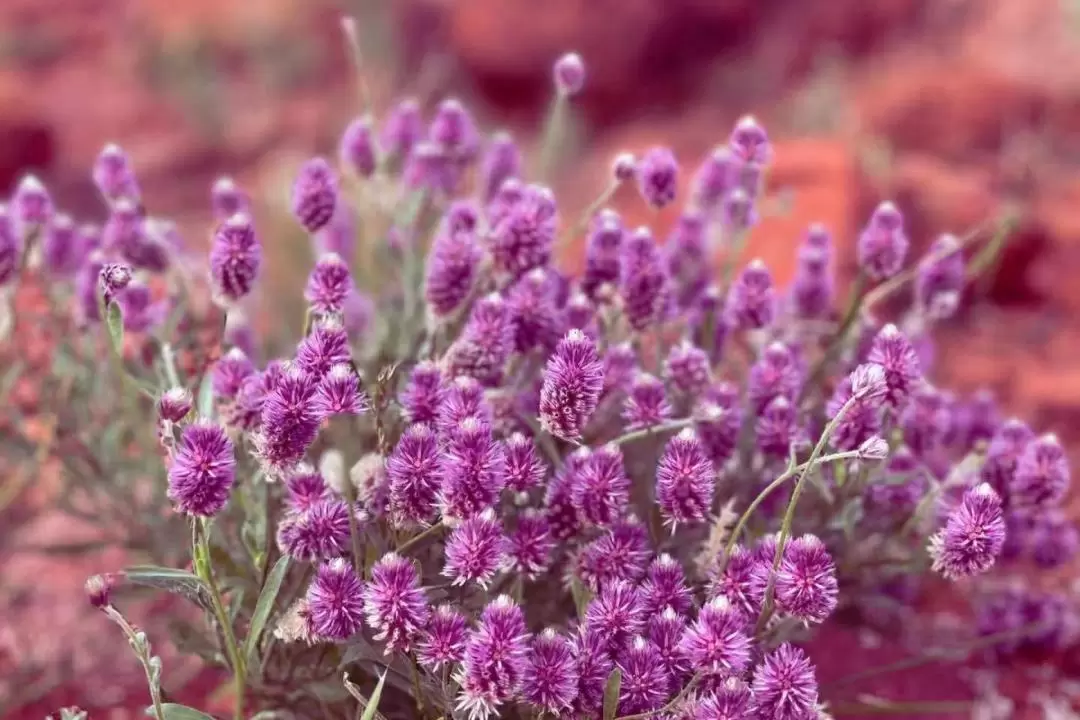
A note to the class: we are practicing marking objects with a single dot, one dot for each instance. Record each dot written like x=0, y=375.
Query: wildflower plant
x=522, y=493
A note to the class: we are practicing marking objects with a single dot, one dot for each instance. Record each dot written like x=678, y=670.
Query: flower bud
x=174, y=404
x=569, y=74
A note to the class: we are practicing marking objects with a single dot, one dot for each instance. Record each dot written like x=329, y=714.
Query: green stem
x=670, y=706
x=554, y=130
x=789, y=514
x=670, y=426
x=417, y=538
x=232, y=649
x=169, y=361
x=142, y=652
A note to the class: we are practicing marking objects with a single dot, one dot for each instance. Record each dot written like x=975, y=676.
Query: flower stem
x=417, y=538
x=671, y=426
x=232, y=649
x=670, y=706
x=554, y=132
x=142, y=652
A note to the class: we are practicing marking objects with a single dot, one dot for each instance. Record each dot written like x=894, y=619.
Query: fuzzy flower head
x=806, y=581
x=314, y=194
x=776, y=373
x=523, y=237
x=1042, y=475
x=464, y=399
x=777, y=428
x=665, y=587
x=402, y=128
x=732, y=700
x=329, y=284
x=665, y=632
x=235, y=258
x=472, y=470
x=624, y=167
x=736, y=582
x=443, y=641
x=685, y=480
x=1006, y=445
x=717, y=427
x=394, y=603
x=326, y=346
x=883, y=244
x=502, y=161
x=646, y=683
x=174, y=404
x=31, y=205
x=940, y=278
x=658, y=176
x=357, y=150
x=230, y=372
x=339, y=393
x=551, y=680
x=619, y=555
x=485, y=344
x=569, y=74
x=319, y=530
x=475, y=550
x=202, y=470
x=601, y=490
x=749, y=141
x=751, y=303
x=452, y=266
x=227, y=199
x=305, y=488
x=643, y=281
x=573, y=379
x=859, y=396
x=290, y=419
x=602, y=246
x=813, y=287
x=112, y=279
x=524, y=467
x=594, y=666
x=530, y=545
x=785, y=687
x=687, y=369
x=534, y=317
x=646, y=403
x=717, y=641
x=335, y=601
x=413, y=475
x=113, y=175
x=892, y=350
x=496, y=660
x=973, y=536
x=714, y=178
x=616, y=614
x=423, y=394
x=98, y=590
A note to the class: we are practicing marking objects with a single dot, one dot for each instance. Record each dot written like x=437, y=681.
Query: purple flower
x=714, y=178
x=314, y=194
x=806, y=580
x=717, y=641
x=524, y=468
x=464, y=400
x=320, y=530
x=569, y=74
x=643, y=282
x=594, y=665
x=896, y=355
x=443, y=641
x=602, y=246
x=530, y=545
x=860, y=393
x=535, y=319
x=732, y=700
x=139, y=311
x=777, y=428
x=1042, y=475
x=666, y=629
x=60, y=247
x=230, y=372
x=573, y=379
x=329, y=284
x=472, y=470
x=454, y=131
x=451, y=270
x=11, y=248
x=561, y=514
x=501, y=162
x=646, y=403
x=202, y=470
x=784, y=685
x=413, y=474
x=113, y=175
x=646, y=683
x=394, y=603
x=112, y=279
x=624, y=167
x=290, y=419
x=749, y=141
x=1053, y=539
x=883, y=245
x=616, y=614
x=357, y=150
x=718, y=427
x=665, y=587
x=326, y=346
x=601, y=489
x=424, y=393
x=31, y=206
x=620, y=367
x=496, y=659
x=485, y=344
x=523, y=237
x=1005, y=448
x=973, y=535
x=736, y=582
x=686, y=256
x=658, y=176
x=402, y=129
x=813, y=287
x=619, y=555
x=305, y=488
x=174, y=404
x=685, y=479
x=227, y=199
x=926, y=421
x=98, y=589
x=940, y=279
x=475, y=550
x=551, y=678
x=687, y=369
x=246, y=411
x=335, y=601
x=235, y=257
x=339, y=393
x=751, y=303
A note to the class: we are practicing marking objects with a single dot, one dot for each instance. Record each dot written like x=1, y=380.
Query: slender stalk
x=143, y=653
x=583, y=220
x=670, y=426
x=417, y=538
x=789, y=514
x=670, y=706
x=418, y=693
x=352, y=39
x=554, y=130
x=203, y=568
x=169, y=361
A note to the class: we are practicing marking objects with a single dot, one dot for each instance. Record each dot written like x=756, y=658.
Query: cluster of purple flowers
x=555, y=440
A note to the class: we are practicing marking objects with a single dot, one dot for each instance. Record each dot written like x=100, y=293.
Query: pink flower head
x=594, y=666
x=335, y=601
x=314, y=194
x=616, y=614
x=940, y=278
x=329, y=284
x=883, y=244
x=551, y=678
x=1006, y=446
x=813, y=288
x=602, y=246
x=643, y=280
x=472, y=470
x=646, y=684
x=751, y=302
x=496, y=659
x=423, y=394
x=686, y=255
x=394, y=603
x=536, y=320
x=620, y=554
x=806, y=581
x=777, y=428
x=569, y=74
x=717, y=641
x=339, y=393
x=502, y=161
x=227, y=199
x=785, y=687
x=776, y=373
x=559, y=508
x=452, y=266
x=485, y=343
x=666, y=629
x=896, y=355
x=357, y=150
x=326, y=346
x=973, y=536
x=235, y=258
x=687, y=369
x=523, y=237
x=174, y=404
x=714, y=178
x=665, y=587
x=864, y=389
x=413, y=475
x=454, y=131
x=402, y=129
x=31, y=205
x=464, y=399
x=658, y=176
x=530, y=545
x=646, y=403
x=230, y=372
x=305, y=488
x=476, y=550
x=1042, y=475
x=113, y=175
x=318, y=530
x=718, y=424
x=732, y=700
x=290, y=419
x=736, y=582
x=573, y=379
x=443, y=641
x=202, y=470
x=601, y=490
x=524, y=467
x=685, y=480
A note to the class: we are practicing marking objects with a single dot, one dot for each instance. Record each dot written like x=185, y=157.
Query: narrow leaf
x=172, y=711
x=265, y=606
x=370, y=706
x=206, y=397
x=581, y=594
x=611, y=694
x=171, y=580
x=114, y=319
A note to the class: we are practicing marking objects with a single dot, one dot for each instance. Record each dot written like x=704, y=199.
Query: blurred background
x=956, y=109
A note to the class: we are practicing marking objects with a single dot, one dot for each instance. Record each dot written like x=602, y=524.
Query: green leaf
x=264, y=607
x=611, y=694
x=114, y=319
x=178, y=582
x=172, y=711
x=370, y=705
x=581, y=594
x=206, y=398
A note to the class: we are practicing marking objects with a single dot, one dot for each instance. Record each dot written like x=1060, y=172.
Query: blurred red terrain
x=953, y=108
